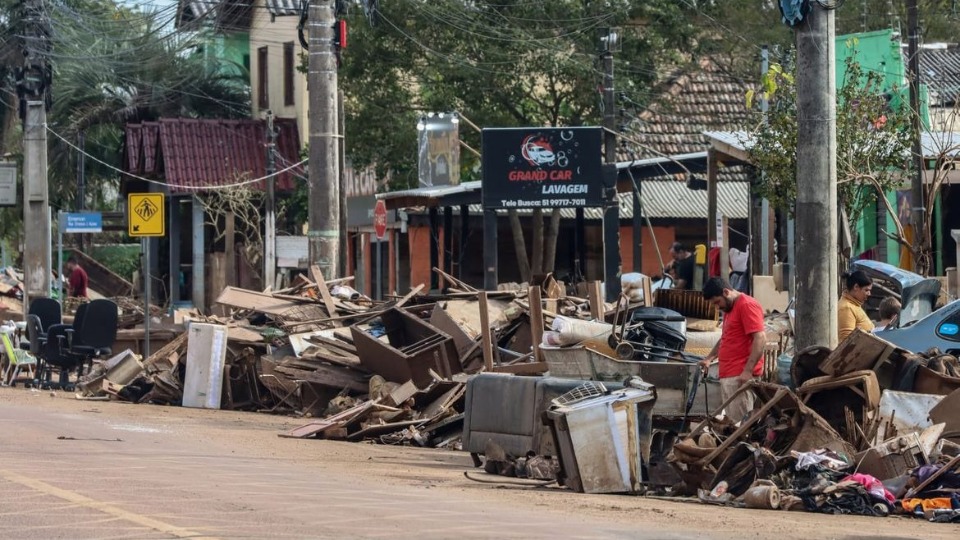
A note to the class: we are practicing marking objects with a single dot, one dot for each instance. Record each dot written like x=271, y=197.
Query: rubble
x=542, y=385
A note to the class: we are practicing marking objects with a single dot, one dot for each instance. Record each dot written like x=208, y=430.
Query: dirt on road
x=254, y=436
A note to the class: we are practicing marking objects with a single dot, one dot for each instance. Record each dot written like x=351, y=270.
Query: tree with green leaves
x=873, y=140
x=113, y=64
x=500, y=63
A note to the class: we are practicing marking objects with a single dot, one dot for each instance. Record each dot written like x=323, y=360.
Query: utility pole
x=270, y=227
x=611, y=213
x=816, y=206
x=766, y=246
x=33, y=86
x=323, y=234
x=917, y=194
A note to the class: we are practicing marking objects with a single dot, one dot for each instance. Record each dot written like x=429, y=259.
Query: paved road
x=157, y=481
x=77, y=470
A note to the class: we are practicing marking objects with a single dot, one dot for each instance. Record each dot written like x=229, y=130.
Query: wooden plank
x=861, y=350
x=324, y=292
x=330, y=376
x=486, y=336
x=923, y=485
x=254, y=301
x=407, y=297
x=596, y=301
x=314, y=352
x=530, y=368
x=536, y=322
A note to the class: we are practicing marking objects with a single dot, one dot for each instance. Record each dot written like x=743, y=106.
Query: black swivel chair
x=56, y=353
x=47, y=313
x=95, y=330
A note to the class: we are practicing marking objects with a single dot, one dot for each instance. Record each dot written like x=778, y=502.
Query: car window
x=949, y=327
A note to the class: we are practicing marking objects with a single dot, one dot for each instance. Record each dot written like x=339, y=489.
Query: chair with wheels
x=47, y=313
x=94, y=331
x=56, y=354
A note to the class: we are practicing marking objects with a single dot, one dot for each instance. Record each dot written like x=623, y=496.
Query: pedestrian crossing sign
x=145, y=215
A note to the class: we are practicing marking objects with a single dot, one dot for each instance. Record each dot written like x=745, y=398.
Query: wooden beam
x=324, y=292
x=596, y=301
x=529, y=368
x=536, y=322
x=486, y=337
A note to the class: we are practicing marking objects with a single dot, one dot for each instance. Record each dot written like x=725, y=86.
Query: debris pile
x=871, y=429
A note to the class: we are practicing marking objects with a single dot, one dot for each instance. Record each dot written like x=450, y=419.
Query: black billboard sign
x=542, y=167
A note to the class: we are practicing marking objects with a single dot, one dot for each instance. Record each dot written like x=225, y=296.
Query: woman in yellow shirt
x=850, y=314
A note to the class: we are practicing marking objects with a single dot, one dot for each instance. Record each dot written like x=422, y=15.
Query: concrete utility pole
x=323, y=234
x=816, y=210
x=916, y=192
x=270, y=227
x=611, y=213
x=33, y=85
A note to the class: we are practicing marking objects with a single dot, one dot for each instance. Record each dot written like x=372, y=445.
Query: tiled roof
x=205, y=152
x=691, y=100
x=280, y=8
x=221, y=14
x=940, y=71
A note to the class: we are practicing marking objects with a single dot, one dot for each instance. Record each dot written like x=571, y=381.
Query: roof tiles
x=206, y=153
x=691, y=100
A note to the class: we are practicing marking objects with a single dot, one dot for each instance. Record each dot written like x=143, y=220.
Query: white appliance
x=206, y=361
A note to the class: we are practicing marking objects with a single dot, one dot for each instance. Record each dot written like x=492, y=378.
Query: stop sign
x=380, y=219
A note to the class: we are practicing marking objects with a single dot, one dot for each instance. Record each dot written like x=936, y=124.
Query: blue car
x=940, y=329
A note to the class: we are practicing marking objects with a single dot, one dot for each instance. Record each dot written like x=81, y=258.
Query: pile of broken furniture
x=868, y=429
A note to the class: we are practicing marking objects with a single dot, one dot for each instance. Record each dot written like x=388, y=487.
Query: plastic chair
x=16, y=360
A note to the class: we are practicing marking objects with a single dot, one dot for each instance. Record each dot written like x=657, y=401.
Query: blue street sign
x=85, y=222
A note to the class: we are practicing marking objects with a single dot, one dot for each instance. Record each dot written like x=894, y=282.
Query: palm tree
x=113, y=66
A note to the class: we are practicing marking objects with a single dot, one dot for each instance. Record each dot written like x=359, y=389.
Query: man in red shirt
x=740, y=347
x=77, y=279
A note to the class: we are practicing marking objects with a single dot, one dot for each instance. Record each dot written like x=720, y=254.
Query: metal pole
x=611, y=214
x=270, y=226
x=323, y=232
x=379, y=269
x=490, y=278
x=60, y=256
x=920, y=262
x=145, y=246
x=816, y=221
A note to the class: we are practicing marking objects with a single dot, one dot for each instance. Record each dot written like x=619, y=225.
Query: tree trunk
x=520, y=245
x=536, y=265
x=550, y=242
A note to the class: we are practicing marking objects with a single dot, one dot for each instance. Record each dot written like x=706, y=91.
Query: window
x=263, y=99
x=288, y=71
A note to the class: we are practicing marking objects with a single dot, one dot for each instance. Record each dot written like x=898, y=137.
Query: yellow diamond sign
x=145, y=216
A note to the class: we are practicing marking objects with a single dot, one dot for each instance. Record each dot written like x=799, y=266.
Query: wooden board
x=255, y=301
x=861, y=350
x=329, y=376
x=324, y=292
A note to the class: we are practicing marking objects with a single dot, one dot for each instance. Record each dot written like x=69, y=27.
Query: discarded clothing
x=824, y=458
x=873, y=486
x=939, y=503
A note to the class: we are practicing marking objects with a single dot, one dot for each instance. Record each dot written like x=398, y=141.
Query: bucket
x=763, y=497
